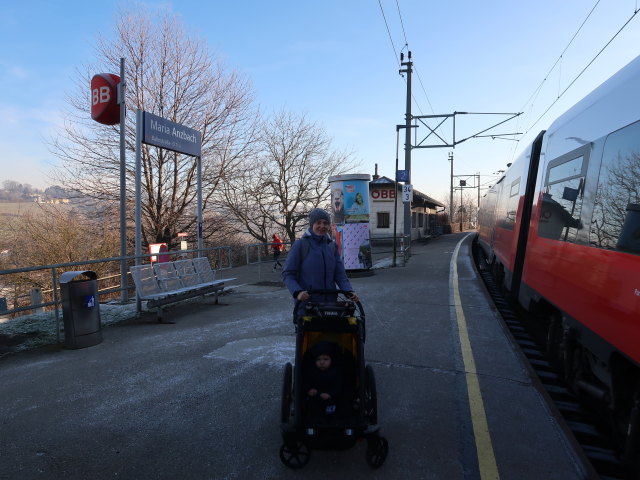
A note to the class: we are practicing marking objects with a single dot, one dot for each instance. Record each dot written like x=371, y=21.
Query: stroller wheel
x=295, y=455
x=377, y=450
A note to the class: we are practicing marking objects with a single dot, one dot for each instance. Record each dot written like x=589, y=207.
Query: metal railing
x=38, y=288
x=45, y=279
x=381, y=246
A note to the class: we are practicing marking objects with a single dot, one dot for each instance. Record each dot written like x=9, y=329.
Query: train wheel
x=370, y=396
x=377, y=451
x=554, y=341
x=287, y=393
x=295, y=454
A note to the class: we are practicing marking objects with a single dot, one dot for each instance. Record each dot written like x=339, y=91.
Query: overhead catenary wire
x=560, y=57
x=534, y=96
x=584, y=69
x=560, y=94
x=395, y=54
x=406, y=42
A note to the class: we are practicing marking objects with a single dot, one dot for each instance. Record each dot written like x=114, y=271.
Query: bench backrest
x=144, y=279
x=204, y=270
x=167, y=276
x=187, y=273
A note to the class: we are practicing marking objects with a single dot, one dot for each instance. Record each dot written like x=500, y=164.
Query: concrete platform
x=200, y=398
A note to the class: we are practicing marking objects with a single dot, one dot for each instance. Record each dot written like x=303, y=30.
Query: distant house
x=382, y=200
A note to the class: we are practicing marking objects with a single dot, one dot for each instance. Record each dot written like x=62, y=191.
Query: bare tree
x=289, y=178
x=170, y=73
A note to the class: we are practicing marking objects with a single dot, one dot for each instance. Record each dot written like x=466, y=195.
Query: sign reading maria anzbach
x=163, y=133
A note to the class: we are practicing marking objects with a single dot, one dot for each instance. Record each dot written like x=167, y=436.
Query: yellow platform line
x=484, y=447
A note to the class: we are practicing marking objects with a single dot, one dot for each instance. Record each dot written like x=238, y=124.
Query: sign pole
x=124, y=297
x=395, y=200
x=407, y=148
x=199, y=167
x=138, y=209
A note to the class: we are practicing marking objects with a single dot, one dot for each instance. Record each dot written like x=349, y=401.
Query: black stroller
x=355, y=414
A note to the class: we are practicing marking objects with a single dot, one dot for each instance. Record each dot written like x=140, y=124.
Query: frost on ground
x=39, y=329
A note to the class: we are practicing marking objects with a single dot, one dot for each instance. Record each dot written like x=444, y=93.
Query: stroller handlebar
x=328, y=292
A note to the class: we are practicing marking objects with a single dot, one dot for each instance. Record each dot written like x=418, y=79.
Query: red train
x=561, y=230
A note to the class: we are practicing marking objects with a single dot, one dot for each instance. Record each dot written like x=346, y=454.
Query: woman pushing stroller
x=316, y=265
x=329, y=395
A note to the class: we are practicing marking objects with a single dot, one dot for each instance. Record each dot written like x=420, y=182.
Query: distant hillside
x=15, y=192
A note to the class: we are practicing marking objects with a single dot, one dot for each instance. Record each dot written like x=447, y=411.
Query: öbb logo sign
x=104, y=98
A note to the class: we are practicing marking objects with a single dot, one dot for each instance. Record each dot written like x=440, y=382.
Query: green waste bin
x=80, y=309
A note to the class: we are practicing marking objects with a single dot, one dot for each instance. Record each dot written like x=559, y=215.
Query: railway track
x=581, y=419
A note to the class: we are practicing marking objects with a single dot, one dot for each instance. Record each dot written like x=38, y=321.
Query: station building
x=383, y=193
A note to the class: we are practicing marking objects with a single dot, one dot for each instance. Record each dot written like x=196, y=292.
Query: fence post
x=36, y=299
x=55, y=300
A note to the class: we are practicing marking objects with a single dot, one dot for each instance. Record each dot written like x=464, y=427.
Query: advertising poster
x=356, y=249
x=337, y=202
x=336, y=231
x=356, y=201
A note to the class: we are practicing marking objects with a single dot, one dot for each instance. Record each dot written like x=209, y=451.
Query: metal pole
x=451, y=190
x=124, y=293
x=138, y=208
x=199, y=166
x=407, y=149
x=395, y=200
x=478, y=204
x=460, y=208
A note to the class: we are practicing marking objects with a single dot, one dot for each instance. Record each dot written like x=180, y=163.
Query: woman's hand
x=303, y=296
x=353, y=296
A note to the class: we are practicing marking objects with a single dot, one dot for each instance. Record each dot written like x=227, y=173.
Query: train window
x=509, y=219
x=562, y=196
x=616, y=213
x=515, y=188
x=571, y=168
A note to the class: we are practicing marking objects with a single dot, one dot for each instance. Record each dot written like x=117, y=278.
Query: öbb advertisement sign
x=104, y=98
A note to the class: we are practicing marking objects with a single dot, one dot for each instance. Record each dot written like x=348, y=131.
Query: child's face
x=323, y=362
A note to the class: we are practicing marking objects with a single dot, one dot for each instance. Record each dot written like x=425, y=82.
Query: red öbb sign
x=104, y=98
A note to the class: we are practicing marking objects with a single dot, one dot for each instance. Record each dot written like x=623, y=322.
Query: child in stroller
x=329, y=396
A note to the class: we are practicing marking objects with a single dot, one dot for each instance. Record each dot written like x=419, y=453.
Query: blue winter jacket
x=320, y=269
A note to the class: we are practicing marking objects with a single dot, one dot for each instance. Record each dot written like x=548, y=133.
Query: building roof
x=417, y=195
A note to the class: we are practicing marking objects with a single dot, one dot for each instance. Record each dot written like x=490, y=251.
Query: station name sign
x=163, y=133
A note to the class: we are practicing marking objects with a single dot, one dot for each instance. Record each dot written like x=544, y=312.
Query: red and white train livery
x=562, y=231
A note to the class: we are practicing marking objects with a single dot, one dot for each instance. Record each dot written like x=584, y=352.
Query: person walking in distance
x=277, y=247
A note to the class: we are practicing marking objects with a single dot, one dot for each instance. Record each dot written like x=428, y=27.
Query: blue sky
x=334, y=61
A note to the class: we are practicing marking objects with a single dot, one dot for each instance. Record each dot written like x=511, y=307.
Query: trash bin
x=80, y=309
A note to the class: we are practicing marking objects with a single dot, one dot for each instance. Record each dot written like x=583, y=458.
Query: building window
x=383, y=219
x=420, y=220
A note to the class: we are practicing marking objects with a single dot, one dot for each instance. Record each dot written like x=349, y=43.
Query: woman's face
x=321, y=227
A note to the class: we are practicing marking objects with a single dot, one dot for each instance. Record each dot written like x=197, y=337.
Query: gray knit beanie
x=318, y=214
